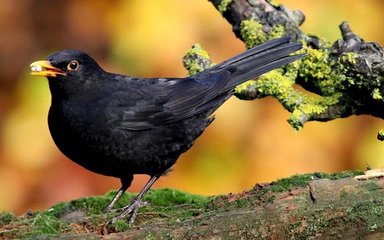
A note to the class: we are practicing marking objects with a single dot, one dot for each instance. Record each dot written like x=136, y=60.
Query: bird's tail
x=258, y=60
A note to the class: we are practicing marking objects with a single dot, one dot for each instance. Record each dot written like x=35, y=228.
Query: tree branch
x=346, y=76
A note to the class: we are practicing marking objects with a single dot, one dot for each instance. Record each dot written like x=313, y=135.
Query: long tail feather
x=258, y=60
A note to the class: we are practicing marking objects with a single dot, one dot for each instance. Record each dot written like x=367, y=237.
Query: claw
x=135, y=204
x=132, y=209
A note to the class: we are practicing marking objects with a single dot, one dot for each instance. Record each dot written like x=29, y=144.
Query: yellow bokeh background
x=249, y=142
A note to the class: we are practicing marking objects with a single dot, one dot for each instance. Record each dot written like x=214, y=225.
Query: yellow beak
x=45, y=68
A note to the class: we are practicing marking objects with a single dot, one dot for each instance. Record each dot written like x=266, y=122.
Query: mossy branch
x=343, y=78
x=309, y=206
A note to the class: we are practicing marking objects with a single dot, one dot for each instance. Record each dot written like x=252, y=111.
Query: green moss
x=302, y=180
x=174, y=205
x=121, y=225
x=240, y=203
x=90, y=205
x=370, y=186
x=196, y=59
x=369, y=214
x=150, y=236
x=169, y=197
x=6, y=218
x=44, y=224
x=223, y=5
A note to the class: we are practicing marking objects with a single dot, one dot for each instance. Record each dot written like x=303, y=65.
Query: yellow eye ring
x=73, y=65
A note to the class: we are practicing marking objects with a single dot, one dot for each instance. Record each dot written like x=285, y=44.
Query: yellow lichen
x=223, y=5
x=376, y=94
x=196, y=59
x=252, y=33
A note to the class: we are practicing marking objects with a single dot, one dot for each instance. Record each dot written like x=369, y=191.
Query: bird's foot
x=131, y=209
x=109, y=209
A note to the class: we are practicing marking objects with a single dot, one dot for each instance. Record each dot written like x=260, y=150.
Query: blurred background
x=249, y=142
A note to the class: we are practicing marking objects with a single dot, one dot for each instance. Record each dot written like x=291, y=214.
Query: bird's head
x=67, y=70
x=65, y=64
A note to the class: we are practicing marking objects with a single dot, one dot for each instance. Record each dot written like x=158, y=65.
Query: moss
x=6, y=218
x=170, y=197
x=121, y=225
x=150, y=236
x=90, y=205
x=174, y=205
x=302, y=180
x=44, y=224
x=370, y=186
x=223, y=5
x=169, y=206
x=196, y=59
x=370, y=214
x=240, y=203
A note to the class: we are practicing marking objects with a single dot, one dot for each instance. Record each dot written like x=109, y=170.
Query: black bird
x=119, y=126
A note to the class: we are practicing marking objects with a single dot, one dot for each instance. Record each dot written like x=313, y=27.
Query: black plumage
x=119, y=126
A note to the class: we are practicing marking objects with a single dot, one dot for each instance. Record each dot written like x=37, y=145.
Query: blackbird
x=118, y=125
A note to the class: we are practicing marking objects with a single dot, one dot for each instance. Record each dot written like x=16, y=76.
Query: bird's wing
x=149, y=103
x=163, y=101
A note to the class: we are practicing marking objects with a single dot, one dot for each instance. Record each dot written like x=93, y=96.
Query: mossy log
x=310, y=206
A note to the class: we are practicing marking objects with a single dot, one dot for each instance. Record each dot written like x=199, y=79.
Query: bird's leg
x=136, y=202
x=125, y=183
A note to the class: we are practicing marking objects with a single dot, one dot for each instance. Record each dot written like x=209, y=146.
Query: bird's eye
x=73, y=65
